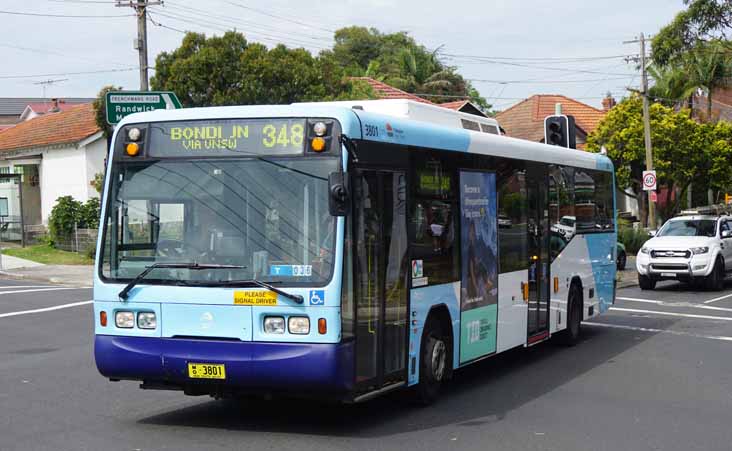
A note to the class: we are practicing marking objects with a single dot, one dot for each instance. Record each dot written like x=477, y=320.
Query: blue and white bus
x=332, y=251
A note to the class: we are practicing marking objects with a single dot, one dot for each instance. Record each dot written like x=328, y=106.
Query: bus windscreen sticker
x=479, y=278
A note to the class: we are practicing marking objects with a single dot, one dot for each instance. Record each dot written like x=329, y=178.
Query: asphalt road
x=654, y=373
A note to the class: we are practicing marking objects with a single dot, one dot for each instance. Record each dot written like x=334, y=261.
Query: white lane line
x=47, y=309
x=6, y=287
x=684, y=315
x=677, y=304
x=646, y=329
x=718, y=299
x=42, y=289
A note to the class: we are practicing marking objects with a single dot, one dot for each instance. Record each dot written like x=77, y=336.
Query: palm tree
x=709, y=67
x=672, y=85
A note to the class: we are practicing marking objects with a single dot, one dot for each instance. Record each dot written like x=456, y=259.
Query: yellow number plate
x=255, y=298
x=206, y=371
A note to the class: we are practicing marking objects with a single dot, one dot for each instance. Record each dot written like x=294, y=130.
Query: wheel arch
x=441, y=314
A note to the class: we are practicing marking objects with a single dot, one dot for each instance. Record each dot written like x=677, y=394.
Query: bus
x=332, y=252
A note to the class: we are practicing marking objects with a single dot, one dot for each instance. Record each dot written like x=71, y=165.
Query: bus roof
x=390, y=129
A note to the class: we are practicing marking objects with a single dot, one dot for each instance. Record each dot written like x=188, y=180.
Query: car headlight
x=124, y=320
x=147, y=320
x=299, y=325
x=645, y=250
x=699, y=250
x=274, y=325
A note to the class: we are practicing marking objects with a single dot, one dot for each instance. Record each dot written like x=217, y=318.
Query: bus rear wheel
x=433, y=363
x=571, y=335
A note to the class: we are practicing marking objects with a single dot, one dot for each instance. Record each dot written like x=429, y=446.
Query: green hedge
x=69, y=212
x=632, y=239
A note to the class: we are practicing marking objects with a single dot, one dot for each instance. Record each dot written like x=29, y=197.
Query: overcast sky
x=494, y=43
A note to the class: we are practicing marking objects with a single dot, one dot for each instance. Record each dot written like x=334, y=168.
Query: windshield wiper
x=125, y=293
x=293, y=297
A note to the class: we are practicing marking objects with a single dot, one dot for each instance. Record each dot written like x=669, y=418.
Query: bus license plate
x=206, y=371
x=668, y=274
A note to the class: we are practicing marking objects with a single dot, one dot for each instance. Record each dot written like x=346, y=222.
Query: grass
x=43, y=253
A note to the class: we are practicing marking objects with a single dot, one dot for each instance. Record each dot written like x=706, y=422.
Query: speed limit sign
x=649, y=180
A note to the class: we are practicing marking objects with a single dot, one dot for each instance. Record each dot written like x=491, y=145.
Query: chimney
x=54, y=108
x=608, y=102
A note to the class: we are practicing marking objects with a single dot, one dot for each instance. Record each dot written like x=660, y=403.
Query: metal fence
x=81, y=240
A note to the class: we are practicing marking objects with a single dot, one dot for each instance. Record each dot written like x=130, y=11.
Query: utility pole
x=140, y=7
x=646, y=122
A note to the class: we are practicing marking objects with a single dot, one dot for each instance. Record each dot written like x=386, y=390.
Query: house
x=384, y=91
x=57, y=154
x=13, y=109
x=525, y=120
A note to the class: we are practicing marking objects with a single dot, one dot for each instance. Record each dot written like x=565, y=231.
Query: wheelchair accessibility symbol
x=317, y=297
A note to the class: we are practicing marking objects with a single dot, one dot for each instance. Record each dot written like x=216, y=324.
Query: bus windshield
x=269, y=215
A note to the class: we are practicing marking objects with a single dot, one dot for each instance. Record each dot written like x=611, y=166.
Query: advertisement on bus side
x=479, y=280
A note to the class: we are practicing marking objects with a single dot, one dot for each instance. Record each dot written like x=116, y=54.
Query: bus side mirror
x=339, y=199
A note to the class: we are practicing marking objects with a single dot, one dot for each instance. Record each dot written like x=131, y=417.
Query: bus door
x=537, y=187
x=381, y=271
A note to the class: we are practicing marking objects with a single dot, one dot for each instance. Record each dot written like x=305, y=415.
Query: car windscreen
x=689, y=227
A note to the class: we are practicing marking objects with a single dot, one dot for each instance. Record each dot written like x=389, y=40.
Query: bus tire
x=571, y=335
x=433, y=362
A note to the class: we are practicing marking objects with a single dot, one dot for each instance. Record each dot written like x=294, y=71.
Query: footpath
x=629, y=276
x=73, y=275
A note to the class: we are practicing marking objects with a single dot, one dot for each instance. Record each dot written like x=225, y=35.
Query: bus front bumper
x=250, y=366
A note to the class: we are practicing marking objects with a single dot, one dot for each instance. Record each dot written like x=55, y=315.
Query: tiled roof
x=14, y=106
x=525, y=120
x=456, y=105
x=45, y=107
x=385, y=91
x=66, y=127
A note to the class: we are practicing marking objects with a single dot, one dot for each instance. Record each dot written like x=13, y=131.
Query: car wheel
x=622, y=259
x=646, y=283
x=715, y=280
x=433, y=363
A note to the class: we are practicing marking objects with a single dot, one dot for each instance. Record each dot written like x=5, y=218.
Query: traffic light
x=559, y=130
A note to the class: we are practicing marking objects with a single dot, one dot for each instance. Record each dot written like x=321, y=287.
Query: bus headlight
x=274, y=325
x=124, y=320
x=147, y=320
x=299, y=325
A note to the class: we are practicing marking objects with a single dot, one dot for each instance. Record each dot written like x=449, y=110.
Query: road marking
x=47, y=309
x=646, y=329
x=677, y=304
x=718, y=299
x=684, y=315
x=25, y=286
x=42, y=289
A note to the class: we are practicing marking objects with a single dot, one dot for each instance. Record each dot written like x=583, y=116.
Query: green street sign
x=123, y=103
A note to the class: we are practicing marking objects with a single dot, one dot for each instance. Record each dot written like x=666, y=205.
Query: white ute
x=690, y=248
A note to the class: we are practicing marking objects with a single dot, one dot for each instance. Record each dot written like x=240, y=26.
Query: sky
x=509, y=49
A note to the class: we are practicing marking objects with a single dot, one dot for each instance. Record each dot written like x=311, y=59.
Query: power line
x=534, y=81
x=265, y=13
x=578, y=59
x=65, y=16
x=61, y=74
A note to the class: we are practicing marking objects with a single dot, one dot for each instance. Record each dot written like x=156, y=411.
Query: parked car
x=566, y=227
x=621, y=256
x=691, y=248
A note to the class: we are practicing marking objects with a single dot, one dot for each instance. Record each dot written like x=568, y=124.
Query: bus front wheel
x=433, y=363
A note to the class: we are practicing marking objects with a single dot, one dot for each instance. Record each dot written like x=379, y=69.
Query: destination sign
x=227, y=138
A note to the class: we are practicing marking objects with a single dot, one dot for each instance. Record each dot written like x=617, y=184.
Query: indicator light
x=317, y=144
x=322, y=326
x=132, y=149
x=103, y=318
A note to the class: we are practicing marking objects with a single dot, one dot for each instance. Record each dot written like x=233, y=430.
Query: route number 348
x=286, y=135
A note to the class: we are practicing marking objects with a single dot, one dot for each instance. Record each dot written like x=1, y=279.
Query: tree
x=682, y=150
x=709, y=67
x=100, y=110
x=228, y=70
x=398, y=60
x=702, y=21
